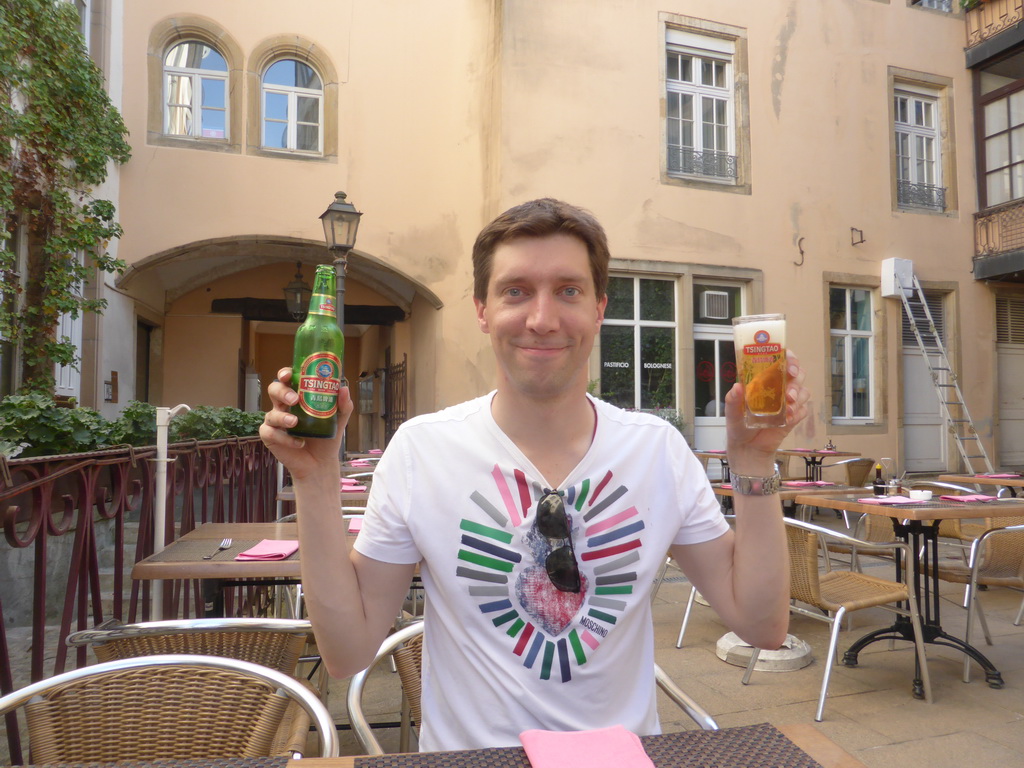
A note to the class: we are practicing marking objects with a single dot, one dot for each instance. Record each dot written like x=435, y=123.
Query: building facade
x=744, y=157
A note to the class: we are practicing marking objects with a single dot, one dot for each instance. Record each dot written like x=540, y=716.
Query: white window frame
x=998, y=131
x=945, y=6
x=918, y=142
x=703, y=52
x=637, y=325
x=196, y=76
x=847, y=335
x=292, y=93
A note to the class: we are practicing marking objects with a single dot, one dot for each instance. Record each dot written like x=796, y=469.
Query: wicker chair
x=839, y=592
x=275, y=643
x=174, y=706
x=405, y=647
x=996, y=560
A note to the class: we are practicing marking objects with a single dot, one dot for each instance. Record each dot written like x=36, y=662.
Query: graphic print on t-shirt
x=551, y=630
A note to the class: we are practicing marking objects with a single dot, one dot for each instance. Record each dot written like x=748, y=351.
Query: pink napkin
x=888, y=500
x=375, y=450
x=269, y=549
x=726, y=485
x=805, y=483
x=360, y=463
x=1003, y=474
x=969, y=498
x=824, y=451
x=613, y=747
x=355, y=524
x=353, y=488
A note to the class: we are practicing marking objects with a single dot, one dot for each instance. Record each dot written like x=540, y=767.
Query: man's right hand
x=302, y=456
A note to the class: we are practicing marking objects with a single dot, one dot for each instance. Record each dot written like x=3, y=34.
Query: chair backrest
x=804, y=584
x=1002, y=555
x=274, y=643
x=172, y=706
x=857, y=471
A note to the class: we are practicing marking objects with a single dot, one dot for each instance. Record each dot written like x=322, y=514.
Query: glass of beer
x=761, y=364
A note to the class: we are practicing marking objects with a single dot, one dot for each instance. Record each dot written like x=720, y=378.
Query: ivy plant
x=59, y=132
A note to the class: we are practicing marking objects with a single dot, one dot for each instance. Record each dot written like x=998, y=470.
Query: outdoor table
x=287, y=494
x=749, y=746
x=1013, y=483
x=917, y=524
x=183, y=558
x=813, y=458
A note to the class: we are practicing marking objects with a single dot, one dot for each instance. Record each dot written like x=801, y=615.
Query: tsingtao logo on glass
x=762, y=345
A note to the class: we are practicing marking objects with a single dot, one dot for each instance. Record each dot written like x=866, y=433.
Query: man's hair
x=541, y=218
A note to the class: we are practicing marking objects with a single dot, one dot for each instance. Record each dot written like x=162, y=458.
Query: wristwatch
x=746, y=485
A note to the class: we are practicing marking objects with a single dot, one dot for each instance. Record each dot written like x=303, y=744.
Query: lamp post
x=341, y=221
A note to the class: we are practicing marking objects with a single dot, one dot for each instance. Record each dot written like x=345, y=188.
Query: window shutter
x=938, y=316
x=1009, y=320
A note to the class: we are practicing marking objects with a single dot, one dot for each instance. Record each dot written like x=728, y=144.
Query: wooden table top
x=287, y=493
x=791, y=492
x=816, y=452
x=925, y=510
x=182, y=558
x=806, y=736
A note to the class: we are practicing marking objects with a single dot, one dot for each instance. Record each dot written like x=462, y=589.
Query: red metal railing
x=72, y=510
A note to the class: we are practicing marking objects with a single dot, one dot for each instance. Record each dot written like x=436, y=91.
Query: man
x=539, y=515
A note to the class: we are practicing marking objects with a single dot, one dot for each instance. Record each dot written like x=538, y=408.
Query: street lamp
x=297, y=293
x=340, y=220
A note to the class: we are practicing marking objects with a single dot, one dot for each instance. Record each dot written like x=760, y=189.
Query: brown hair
x=541, y=218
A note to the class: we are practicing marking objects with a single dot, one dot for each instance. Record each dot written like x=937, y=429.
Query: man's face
x=542, y=314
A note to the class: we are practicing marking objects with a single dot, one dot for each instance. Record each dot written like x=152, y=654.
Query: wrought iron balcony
x=686, y=161
x=928, y=196
x=986, y=20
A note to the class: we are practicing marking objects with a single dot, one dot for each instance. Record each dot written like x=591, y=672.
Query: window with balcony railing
x=700, y=127
x=918, y=150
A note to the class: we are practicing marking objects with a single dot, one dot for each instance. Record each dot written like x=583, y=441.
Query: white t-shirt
x=503, y=649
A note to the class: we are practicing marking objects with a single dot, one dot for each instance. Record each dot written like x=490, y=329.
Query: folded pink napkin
x=888, y=500
x=726, y=485
x=613, y=747
x=360, y=463
x=823, y=450
x=353, y=488
x=375, y=450
x=805, y=483
x=269, y=549
x=355, y=524
x=972, y=497
x=1000, y=474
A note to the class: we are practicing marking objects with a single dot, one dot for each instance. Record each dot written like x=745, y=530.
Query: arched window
x=195, y=92
x=292, y=107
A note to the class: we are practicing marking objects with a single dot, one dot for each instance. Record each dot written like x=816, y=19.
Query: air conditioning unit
x=714, y=305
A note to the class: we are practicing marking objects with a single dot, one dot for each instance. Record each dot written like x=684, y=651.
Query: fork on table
x=224, y=544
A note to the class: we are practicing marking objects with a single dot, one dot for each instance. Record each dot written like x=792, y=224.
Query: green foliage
x=58, y=134
x=135, y=426
x=33, y=425
x=208, y=423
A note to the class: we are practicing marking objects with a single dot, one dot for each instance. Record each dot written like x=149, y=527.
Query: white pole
x=163, y=419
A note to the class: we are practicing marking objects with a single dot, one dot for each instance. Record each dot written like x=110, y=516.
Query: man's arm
x=352, y=600
x=744, y=574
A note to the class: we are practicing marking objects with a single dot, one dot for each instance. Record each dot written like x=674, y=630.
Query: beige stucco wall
x=448, y=113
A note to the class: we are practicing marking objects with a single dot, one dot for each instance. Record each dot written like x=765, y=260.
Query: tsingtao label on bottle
x=319, y=385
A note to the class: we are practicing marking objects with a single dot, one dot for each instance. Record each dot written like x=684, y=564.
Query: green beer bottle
x=316, y=367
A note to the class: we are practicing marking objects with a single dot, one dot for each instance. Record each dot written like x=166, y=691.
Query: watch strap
x=747, y=485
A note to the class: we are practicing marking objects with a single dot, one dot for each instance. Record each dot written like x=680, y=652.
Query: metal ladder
x=954, y=409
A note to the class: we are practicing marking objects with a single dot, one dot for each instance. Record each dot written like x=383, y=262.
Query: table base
x=924, y=547
x=904, y=630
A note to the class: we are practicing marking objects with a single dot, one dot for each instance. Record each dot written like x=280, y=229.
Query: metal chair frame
x=274, y=680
